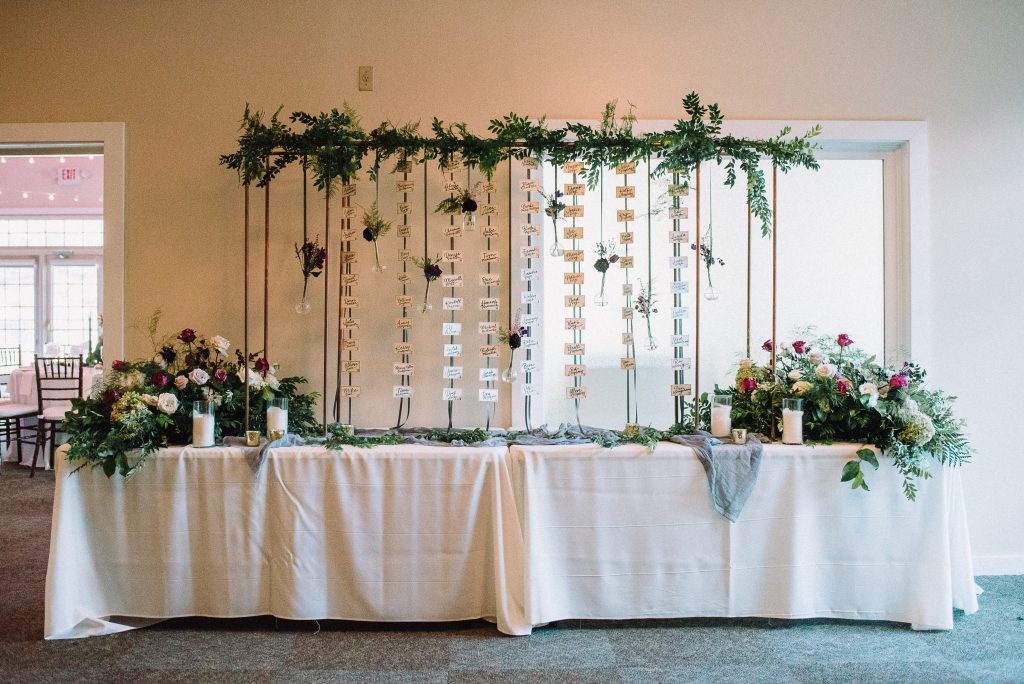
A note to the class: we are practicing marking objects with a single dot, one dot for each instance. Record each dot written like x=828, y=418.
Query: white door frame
x=111, y=136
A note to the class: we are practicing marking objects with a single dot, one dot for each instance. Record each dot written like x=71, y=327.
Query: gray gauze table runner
x=731, y=469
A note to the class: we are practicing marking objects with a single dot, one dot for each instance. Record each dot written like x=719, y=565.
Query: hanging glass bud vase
x=303, y=307
x=469, y=208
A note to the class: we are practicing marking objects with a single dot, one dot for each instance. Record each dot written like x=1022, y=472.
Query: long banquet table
x=522, y=536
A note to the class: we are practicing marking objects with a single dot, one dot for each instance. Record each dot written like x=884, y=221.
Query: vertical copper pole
x=749, y=245
x=775, y=242
x=696, y=320
x=245, y=310
x=327, y=292
x=266, y=264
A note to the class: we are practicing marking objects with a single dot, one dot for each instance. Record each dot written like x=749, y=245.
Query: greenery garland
x=332, y=145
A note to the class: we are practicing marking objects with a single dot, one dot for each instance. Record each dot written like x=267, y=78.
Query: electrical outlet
x=366, y=78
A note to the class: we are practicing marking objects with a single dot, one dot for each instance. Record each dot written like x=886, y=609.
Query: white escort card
x=351, y=366
x=625, y=168
x=573, y=211
x=489, y=256
x=489, y=350
x=451, y=372
x=351, y=392
x=451, y=329
x=530, y=229
x=680, y=287
x=490, y=303
x=625, y=191
x=678, y=190
x=528, y=366
x=574, y=189
x=403, y=323
x=575, y=392
x=451, y=255
x=680, y=312
x=575, y=278
x=572, y=167
x=529, y=297
x=451, y=350
x=532, y=252
x=451, y=394
x=531, y=342
x=531, y=163
x=679, y=261
x=401, y=368
x=451, y=280
x=627, y=363
x=529, y=274
x=575, y=349
x=403, y=301
x=490, y=280
x=529, y=185
x=680, y=340
x=488, y=374
x=572, y=233
x=682, y=364
x=575, y=370
x=679, y=236
x=401, y=392
x=528, y=390
x=575, y=301
x=529, y=207
x=452, y=303
x=678, y=212
x=575, y=323
x=529, y=319
x=488, y=327
x=488, y=395
x=403, y=347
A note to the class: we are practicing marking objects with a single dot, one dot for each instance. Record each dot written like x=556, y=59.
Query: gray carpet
x=985, y=647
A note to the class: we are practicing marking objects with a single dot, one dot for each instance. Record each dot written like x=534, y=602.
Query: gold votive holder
x=631, y=429
x=276, y=435
x=739, y=435
x=252, y=438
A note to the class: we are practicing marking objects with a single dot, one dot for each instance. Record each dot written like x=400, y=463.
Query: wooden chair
x=10, y=358
x=58, y=381
x=12, y=413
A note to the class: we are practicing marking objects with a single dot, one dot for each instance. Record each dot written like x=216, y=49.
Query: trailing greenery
x=338, y=436
x=332, y=146
x=468, y=436
x=647, y=436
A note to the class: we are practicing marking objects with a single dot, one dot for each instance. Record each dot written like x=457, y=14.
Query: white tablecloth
x=394, y=533
x=622, y=534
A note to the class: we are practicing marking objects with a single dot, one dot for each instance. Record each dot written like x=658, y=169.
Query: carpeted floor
x=985, y=647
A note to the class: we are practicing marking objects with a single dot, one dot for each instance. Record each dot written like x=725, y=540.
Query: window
x=18, y=306
x=841, y=266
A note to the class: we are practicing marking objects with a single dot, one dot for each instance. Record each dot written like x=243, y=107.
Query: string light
x=50, y=196
x=76, y=198
x=3, y=160
x=62, y=160
x=31, y=160
x=24, y=195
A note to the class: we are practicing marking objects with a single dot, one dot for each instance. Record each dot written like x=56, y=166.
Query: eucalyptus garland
x=333, y=145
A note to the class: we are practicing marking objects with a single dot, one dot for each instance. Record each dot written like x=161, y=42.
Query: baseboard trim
x=999, y=565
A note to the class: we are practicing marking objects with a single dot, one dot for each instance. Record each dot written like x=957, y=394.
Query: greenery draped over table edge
x=332, y=146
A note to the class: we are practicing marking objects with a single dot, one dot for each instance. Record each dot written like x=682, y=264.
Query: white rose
x=794, y=374
x=801, y=386
x=159, y=360
x=199, y=376
x=148, y=399
x=255, y=381
x=825, y=370
x=221, y=344
x=273, y=382
x=870, y=389
x=167, y=402
x=180, y=382
x=814, y=356
x=746, y=363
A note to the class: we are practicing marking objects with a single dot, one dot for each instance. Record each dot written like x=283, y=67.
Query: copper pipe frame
x=327, y=298
x=696, y=316
x=245, y=310
x=266, y=265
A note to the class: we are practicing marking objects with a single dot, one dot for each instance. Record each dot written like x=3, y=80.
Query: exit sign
x=69, y=176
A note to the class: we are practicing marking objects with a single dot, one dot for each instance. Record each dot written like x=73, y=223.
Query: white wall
x=179, y=74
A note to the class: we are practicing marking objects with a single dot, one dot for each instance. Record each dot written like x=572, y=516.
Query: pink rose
x=261, y=365
x=843, y=385
x=181, y=382
x=119, y=365
x=220, y=375
x=799, y=346
x=748, y=385
x=844, y=340
x=159, y=379
x=898, y=381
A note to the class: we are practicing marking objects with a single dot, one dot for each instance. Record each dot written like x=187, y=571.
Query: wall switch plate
x=366, y=78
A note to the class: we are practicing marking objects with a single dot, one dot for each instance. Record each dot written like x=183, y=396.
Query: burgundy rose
x=515, y=340
x=799, y=346
x=109, y=396
x=748, y=385
x=843, y=385
x=898, y=381
x=844, y=340
x=261, y=365
x=220, y=375
x=159, y=379
x=188, y=336
x=613, y=258
x=119, y=365
x=767, y=346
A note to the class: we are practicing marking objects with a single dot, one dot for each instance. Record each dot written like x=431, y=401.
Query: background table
x=622, y=534
x=393, y=533
x=22, y=390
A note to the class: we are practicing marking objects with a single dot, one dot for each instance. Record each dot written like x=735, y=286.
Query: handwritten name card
x=625, y=191
x=401, y=392
x=451, y=280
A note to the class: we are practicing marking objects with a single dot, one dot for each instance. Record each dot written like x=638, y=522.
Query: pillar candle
x=277, y=419
x=792, y=426
x=721, y=421
x=202, y=429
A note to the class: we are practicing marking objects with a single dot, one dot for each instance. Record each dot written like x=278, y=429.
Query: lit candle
x=721, y=415
x=277, y=417
x=792, y=421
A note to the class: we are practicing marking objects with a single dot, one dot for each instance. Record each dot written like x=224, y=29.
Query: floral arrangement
x=847, y=395
x=147, y=404
x=374, y=226
x=606, y=256
x=513, y=337
x=644, y=305
x=431, y=271
x=312, y=258
x=460, y=203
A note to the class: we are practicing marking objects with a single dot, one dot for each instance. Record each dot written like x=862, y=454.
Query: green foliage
x=467, y=436
x=338, y=436
x=686, y=426
x=375, y=222
x=333, y=145
x=647, y=436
